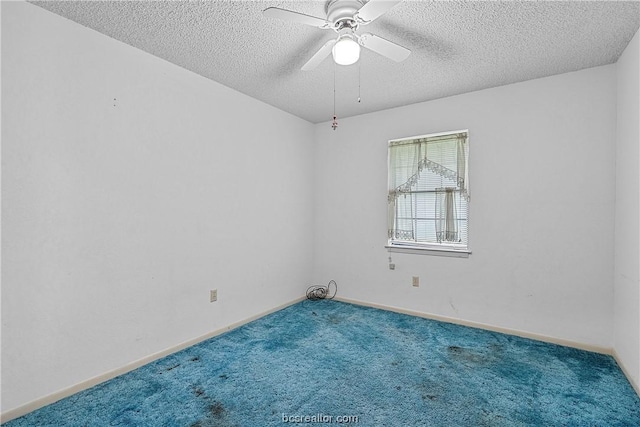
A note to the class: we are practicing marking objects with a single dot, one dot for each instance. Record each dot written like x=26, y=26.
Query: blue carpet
x=337, y=363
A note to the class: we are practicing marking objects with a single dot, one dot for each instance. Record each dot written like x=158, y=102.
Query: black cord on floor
x=317, y=292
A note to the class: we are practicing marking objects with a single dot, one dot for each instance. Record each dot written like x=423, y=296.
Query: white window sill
x=421, y=250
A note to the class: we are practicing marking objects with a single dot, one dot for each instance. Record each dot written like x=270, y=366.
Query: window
x=429, y=192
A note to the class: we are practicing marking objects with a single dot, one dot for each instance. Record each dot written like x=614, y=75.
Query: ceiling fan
x=344, y=17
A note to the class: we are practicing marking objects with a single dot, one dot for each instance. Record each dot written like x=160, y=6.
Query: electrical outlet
x=213, y=295
x=416, y=281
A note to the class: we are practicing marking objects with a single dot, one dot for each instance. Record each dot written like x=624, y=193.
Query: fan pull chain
x=334, y=125
x=359, y=82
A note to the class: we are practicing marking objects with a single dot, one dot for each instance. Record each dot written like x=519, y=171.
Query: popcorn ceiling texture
x=457, y=47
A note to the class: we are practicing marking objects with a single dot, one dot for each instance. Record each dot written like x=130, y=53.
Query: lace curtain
x=404, y=163
x=407, y=160
x=446, y=215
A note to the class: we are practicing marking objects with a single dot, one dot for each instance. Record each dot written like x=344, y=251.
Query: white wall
x=627, y=219
x=121, y=177
x=542, y=208
x=130, y=188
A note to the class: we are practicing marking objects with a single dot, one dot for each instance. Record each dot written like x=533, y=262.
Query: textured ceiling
x=457, y=47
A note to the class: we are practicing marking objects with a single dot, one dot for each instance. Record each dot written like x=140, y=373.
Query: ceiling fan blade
x=384, y=47
x=373, y=9
x=319, y=56
x=289, y=15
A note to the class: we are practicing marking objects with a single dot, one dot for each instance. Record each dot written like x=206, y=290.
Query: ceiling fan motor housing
x=341, y=12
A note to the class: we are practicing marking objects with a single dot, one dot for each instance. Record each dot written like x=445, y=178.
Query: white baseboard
x=632, y=380
x=54, y=397
x=478, y=325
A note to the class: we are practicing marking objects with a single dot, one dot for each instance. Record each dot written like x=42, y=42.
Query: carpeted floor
x=337, y=363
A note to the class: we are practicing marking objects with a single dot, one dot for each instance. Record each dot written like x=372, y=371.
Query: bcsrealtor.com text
x=320, y=418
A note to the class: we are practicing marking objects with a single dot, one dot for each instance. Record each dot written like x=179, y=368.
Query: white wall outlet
x=415, y=281
x=213, y=295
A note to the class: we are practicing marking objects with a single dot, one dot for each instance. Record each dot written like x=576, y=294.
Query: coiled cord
x=318, y=292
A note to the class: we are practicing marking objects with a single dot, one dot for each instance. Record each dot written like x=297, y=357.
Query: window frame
x=439, y=249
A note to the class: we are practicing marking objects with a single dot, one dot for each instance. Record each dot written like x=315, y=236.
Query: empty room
x=344, y=212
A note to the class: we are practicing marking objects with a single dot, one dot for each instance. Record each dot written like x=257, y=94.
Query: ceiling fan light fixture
x=346, y=51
